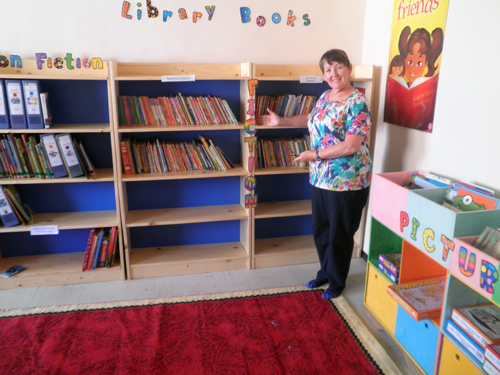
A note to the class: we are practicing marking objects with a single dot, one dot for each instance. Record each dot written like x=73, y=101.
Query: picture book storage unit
x=185, y=222
x=282, y=220
x=68, y=207
x=433, y=241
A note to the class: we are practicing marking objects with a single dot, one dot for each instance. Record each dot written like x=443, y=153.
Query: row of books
x=460, y=196
x=22, y=105
x=477, y=328
x=101, y=248
x=280, y=152
x=422, y=299
x=390, y=265
x=157, y=156
x=13, y=208
x=50, y=156
x=489, y=242
x=285, y=105
x=173, y=110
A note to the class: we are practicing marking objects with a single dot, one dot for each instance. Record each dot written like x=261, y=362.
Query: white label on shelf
x=44, y=230
x=186, y=78
x=311, y=79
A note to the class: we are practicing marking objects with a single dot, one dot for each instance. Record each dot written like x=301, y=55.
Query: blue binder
x=31, y=92
x=4, y=110
x=54, y=155
x=7, y=213
x=15, y=101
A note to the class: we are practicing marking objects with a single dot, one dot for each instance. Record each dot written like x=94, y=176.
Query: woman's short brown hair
x=336, y=55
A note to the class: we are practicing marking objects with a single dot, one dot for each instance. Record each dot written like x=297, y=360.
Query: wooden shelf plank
x=102, y=175
x=283, y=209
x=30, y=71
x=238, y=171
x=177, y=128
x=185, y=215
x=154, y=71
x=277, y=72
x=55, y=269
x=281, y=251
x=63, y=128
x=187, y=259
x=70, y=220
x=282, y=170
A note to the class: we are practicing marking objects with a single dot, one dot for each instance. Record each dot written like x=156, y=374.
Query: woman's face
x=415, y=64
x=336, y=75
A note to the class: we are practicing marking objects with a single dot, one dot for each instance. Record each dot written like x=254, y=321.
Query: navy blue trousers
x=335, y=219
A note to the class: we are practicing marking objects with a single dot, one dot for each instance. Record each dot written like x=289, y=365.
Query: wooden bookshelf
x=76, y=205
x=192, y=255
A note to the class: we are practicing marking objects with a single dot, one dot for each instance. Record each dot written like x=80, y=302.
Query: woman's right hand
x=272, y=119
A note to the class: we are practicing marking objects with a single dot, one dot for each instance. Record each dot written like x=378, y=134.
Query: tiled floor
x=174, y=286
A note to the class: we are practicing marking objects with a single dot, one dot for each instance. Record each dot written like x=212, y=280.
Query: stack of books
x=476, y=327
x=13, y=208
x=175, y=110
x=422, y=299
x=468, y=197
x=285, y=105
x=157, y=156
x=280, y=152
x=489, y=242
x=101, y=248
x=426, y=181
x=491, y=363
x=389, y=264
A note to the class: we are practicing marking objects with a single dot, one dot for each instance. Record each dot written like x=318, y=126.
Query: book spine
x=492, y=356
x=461, y=322
x=111, y=247
x=388, y=273
x=463, y=339
x=489, y=368
x=127, y=169
x=87, y=250
x=388, y=264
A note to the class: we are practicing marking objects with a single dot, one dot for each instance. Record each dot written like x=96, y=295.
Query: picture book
x=474, y=349
x=480, y=322
x=492, y=354
x=422, y=299
x=415, y=181
x=391, y=261
x=25, y=212
x=489, y=242
x=464, y=198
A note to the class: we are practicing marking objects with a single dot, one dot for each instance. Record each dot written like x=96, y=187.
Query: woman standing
x=340, y=168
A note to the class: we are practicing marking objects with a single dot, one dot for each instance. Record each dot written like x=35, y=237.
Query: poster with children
x=417, y=37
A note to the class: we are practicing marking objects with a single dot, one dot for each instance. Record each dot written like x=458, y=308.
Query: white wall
x=95, y=28
x=466, y=137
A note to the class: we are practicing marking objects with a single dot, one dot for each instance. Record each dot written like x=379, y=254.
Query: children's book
x=480, y=322
x=394, y=278
x=469, y=344
x=391, y=261
x=464, y=198
x=492, y=354
x=422, y=299
x=489, y=369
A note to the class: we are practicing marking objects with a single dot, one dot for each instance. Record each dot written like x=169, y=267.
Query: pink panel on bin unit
x=389, y=198
x=475, y=268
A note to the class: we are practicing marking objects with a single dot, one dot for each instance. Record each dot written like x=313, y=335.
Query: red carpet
x=286, y=333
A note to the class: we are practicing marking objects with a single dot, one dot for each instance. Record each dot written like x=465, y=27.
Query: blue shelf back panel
x=77, y=101
x=98, y=148
x=187, y=234
x=70, y=197
x=225, y=89
x=279, y=188
x=67, y=241
x=227, y=140
x=183, y=193
x=283, y=227
x=291, y=88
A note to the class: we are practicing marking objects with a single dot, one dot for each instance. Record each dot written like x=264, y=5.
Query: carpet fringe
x=367, y=340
